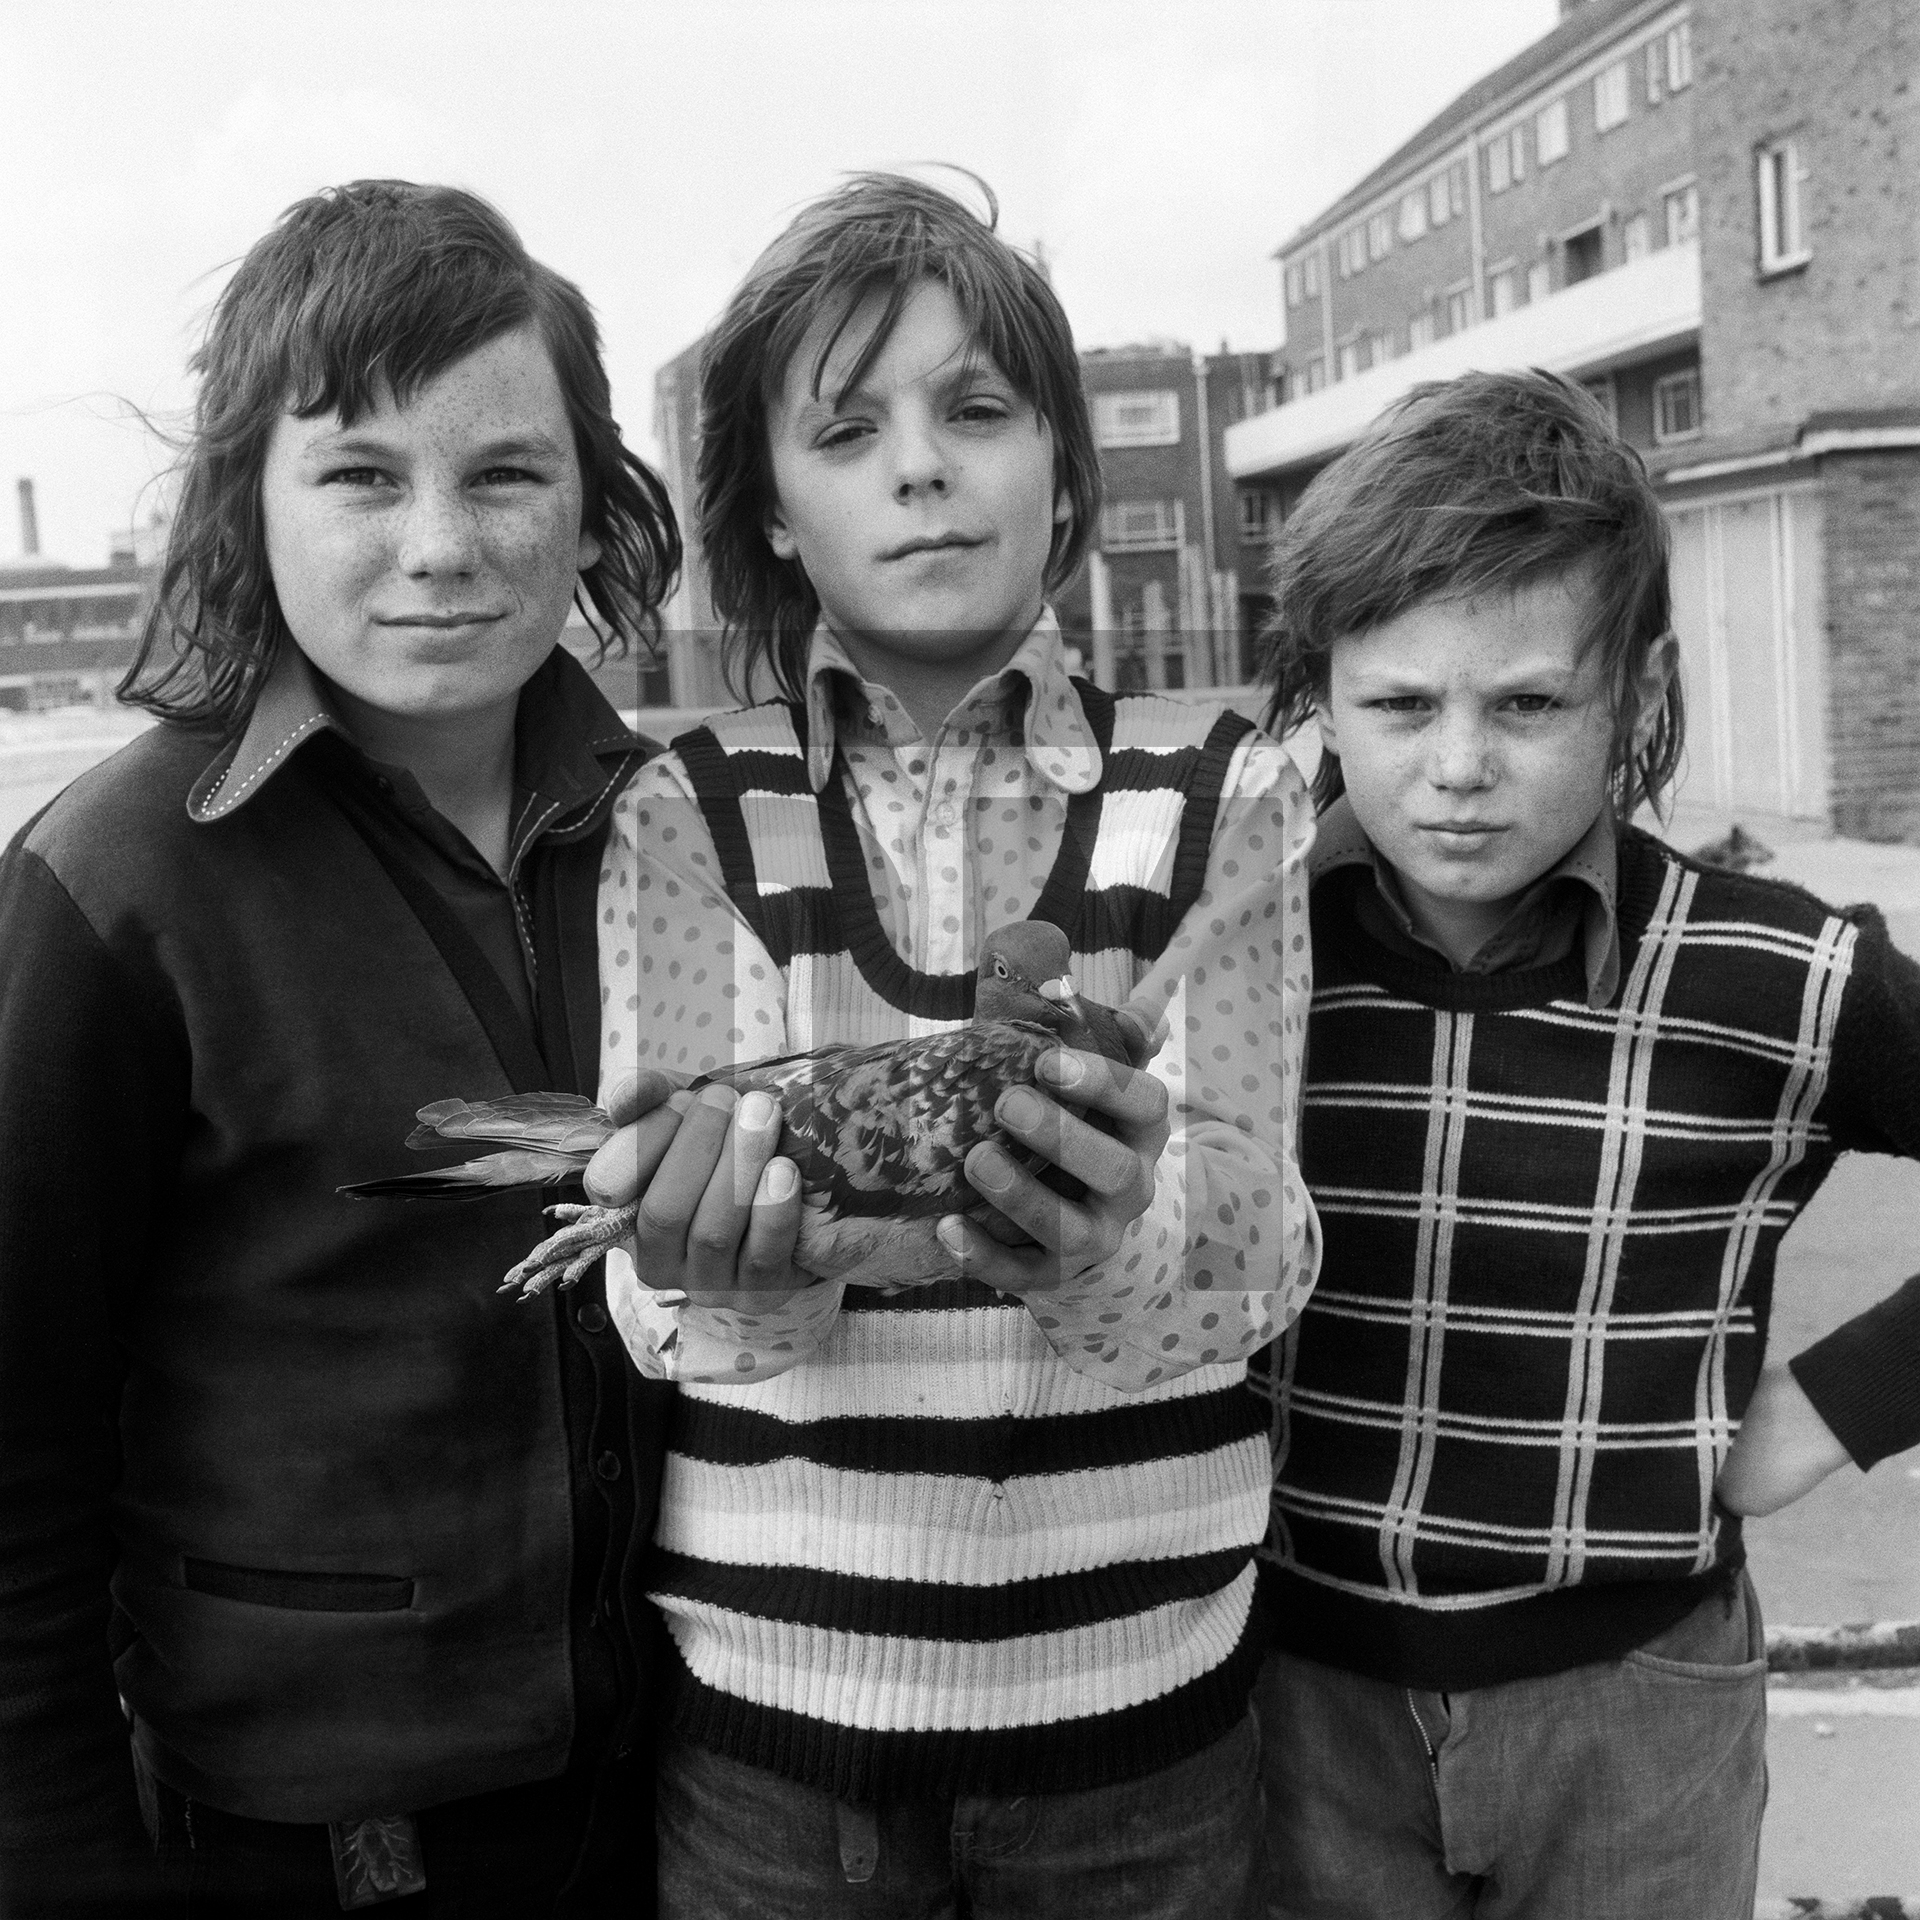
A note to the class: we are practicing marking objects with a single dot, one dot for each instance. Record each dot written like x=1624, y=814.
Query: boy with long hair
x=1565, y=1091
x=959, y=1579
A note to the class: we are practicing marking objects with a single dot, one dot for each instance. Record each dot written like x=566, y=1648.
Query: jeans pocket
x=1710, y=1671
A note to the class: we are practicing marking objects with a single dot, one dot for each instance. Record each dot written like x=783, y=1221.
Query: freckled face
x=425, y=558
x=922, y=502
x=1475, y=737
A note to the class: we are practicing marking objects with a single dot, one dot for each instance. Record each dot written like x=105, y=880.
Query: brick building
x=1706, y=212
x=67, y=633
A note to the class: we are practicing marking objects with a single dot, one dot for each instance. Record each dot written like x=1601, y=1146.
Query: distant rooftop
x=1586, y=21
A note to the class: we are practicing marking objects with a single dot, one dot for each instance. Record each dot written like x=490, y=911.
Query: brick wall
x=1838, y=77
x=1873, y=643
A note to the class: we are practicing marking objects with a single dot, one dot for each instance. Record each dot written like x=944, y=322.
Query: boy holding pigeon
x=958, y=1575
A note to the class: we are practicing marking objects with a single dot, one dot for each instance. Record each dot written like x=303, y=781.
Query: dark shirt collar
x=570, y=746
x=1581, y=888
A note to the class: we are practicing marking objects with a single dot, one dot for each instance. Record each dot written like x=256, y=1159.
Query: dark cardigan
x=328, y=1471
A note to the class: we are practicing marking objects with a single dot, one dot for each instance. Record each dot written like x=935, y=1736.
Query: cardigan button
x=608, y=1466
x=593, y=1317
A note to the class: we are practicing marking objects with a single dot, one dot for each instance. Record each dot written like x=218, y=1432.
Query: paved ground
x=1844, y=1818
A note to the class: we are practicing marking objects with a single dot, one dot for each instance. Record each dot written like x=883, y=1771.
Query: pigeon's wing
x=546, y=1122
x=887, y=1130
x=1101, y=1030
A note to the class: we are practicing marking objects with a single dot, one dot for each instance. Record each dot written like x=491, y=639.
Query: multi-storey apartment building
x=1160, y=600
x=1705, y=211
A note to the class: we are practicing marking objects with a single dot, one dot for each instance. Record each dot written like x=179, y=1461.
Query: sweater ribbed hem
x=1408, y=1645
x=1072, y=1756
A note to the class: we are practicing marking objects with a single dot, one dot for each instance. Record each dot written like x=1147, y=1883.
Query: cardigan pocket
x=308, y=1592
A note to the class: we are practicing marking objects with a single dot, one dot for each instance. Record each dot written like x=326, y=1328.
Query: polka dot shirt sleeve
x=1224, y=1257
x=686, y=985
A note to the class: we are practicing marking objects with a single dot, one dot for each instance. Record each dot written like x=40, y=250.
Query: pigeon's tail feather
x=557, y=1122
x=472, y=1178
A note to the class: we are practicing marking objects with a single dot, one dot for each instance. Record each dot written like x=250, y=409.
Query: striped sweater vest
x=932, y=1558
x=1550, y=1235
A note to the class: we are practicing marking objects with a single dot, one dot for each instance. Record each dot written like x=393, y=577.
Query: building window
x=1353, y=252
x=1681, y=206
x=1310, y=273
x=1379, y=349
x=1676, y=406
x=1139, y=525
x=1507, y=160
x=1584, y=254
x=1413, y=214
x=1316, y=373
x=1636, y=237
x=1503, y=291
x=1680, y=58
x=1610, y=97
x=1779, y=174
x=1379, y=236
x=1550, y=133
x=1539, y=281
x=1256, y=515
x=1420, y=330
x=1458, y=310
x=1439, y=203
x=1137, y=419
x=1604, y=397
x=1346, y=360
x=1656, y=70
x=1295, y=285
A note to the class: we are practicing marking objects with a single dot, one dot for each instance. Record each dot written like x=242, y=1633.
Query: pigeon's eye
x=1001, y=971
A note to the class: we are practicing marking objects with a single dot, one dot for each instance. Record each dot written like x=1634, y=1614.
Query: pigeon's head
x=1024, y=976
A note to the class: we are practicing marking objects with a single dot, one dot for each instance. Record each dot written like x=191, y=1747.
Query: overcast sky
x=1160, y=149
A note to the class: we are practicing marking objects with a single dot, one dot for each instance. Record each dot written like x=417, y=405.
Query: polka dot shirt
x=960, y=835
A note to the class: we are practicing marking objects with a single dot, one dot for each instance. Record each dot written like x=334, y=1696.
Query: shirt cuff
x=1864, y=1378
x=668, y=1337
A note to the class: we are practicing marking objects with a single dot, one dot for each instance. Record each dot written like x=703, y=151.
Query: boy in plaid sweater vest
x=1565, y=1091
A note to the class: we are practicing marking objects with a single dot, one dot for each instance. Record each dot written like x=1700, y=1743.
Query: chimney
x=29, y=523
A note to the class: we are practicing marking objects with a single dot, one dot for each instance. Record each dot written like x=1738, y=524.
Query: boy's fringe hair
x=879, y=233
x=361, y=292
x=1476, y=486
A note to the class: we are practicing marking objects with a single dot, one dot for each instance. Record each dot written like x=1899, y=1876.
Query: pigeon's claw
x=565, y=1258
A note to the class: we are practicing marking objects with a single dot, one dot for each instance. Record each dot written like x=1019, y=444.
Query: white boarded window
x=1681, y=207
x=1139, y=525
x=1779, y=176
x=1137, y=419
x=1439, y=202
x=1420, y=331
x=1379, y=236
x=1316, y=373
x=1413, y=214
x=1550, y=133
x=1676, y=406
x=1539, y=281
x=1346, y=361
x=1636, y=237
x=1656, y=71
x=1680, y=58
x=1503, y=291
x=1499, y=167
x=1610, y=97
x=1459, y=309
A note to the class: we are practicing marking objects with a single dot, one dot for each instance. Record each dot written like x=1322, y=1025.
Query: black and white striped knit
x=1550, y=1234
x=949, y=1542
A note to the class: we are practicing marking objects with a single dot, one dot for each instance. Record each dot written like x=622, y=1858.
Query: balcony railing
x=1627, y=314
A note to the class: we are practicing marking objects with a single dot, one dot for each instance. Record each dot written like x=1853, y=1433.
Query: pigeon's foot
x=565, y=1257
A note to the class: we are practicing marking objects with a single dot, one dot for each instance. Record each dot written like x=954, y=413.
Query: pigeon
x=880, y=1134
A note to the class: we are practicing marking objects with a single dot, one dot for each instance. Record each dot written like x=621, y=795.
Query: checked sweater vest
x=1550, y=1234
x=932, y=1558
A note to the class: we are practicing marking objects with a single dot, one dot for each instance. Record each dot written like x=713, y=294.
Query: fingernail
x=991, y=1171
x=952, y=1234
x=1022, y=1107
x=681, y=1101
x=781, y=1179
x=722, y=1098
x=1063, y=1069
x=757, y=1111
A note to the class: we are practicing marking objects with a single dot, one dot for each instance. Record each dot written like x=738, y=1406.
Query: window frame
x=1502, y=273
x=1687, y=379
x=1310, y=274
x=1163, y=537
x=1680, y=57
x=1379, y=234
x=1255, y=515
x=1554, y=113
x=1656, y=70
x=1610, y=90
x=1422, y=329
x=1637, y=222
x=1604, y=389
x=1459, y=300
x=1687, y=192
x=1296, y=285
x=1107, y=434
x=1780, y=208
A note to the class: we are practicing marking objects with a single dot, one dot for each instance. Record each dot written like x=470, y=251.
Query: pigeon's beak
x=1062, y=991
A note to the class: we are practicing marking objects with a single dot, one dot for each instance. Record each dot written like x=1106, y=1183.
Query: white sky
x=648, y=148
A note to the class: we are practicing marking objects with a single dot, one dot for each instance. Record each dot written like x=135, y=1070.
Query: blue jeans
x=1625, y=1790
x=741, y=1843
